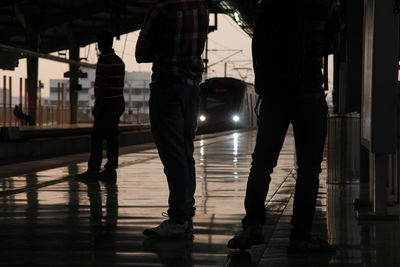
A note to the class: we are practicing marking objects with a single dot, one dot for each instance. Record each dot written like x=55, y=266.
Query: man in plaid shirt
x=173, y=38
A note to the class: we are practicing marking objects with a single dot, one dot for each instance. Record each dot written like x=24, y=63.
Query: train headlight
x=236, y=118
x=202, y=118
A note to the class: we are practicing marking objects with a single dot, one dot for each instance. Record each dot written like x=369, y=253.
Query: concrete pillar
x=32, y=71
x=73, y=81
x=349, y=61
x=380, y=93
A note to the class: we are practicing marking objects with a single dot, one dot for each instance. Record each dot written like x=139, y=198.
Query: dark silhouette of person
x=173, y=38
x=290, y=38
x=20, y=115
x=108, y=108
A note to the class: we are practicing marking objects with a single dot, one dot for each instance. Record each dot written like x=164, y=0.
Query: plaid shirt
x=177, y=30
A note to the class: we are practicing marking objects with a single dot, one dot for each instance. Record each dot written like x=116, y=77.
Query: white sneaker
x=170, y=230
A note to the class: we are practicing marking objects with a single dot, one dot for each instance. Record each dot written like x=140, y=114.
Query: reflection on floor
x=49, y=218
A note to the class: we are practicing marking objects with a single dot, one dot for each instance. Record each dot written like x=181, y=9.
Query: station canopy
x=48, y=26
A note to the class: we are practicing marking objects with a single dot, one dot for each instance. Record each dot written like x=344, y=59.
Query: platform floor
x=47, y=218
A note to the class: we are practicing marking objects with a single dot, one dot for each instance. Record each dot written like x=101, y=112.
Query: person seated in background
x=21, y=116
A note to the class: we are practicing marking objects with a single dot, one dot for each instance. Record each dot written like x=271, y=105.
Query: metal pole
x=58, y=102
x=20, y=91
x=206, y=60
x=226, y=69
x=26, y=96
x=32, y=70
x=10, y=99
x=4, y=99
x=40, y=102
x=62, y=103
x=73, y=81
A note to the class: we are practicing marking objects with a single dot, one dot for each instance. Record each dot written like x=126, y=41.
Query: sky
x=228, y=40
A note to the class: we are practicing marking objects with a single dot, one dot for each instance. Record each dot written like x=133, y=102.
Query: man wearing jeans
x=290, y=37
x=173, y=38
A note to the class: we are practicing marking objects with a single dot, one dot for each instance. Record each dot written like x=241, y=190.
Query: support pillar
x=379, y=98
x=73, y=82
x=378, y=183
x=32, y=64
x=349, y=59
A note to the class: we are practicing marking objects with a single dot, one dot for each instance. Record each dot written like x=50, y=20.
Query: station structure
x=364, y=126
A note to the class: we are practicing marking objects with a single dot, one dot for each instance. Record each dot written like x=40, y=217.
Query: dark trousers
x=307, y=113
x=105, y=127
x=173, y=116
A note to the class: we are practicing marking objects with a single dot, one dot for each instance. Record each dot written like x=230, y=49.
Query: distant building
x=137, y=91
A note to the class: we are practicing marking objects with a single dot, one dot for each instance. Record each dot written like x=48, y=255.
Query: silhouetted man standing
x=173, y=38
x=108, y=108
x=290, y=38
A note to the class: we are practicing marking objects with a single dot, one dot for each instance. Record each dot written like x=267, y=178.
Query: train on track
x=226, y=104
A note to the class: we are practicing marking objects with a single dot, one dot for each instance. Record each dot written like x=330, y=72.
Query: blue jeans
x=308, y=115
x=173, y=116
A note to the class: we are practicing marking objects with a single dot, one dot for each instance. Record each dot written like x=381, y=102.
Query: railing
x=46, y=115
x=51, y=114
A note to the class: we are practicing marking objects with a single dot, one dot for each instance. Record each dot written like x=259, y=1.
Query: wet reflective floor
x=47, y=218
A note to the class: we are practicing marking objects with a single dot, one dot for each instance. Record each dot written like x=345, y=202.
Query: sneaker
x=310, y=245
x=88, y=175
x=170, y=230
x=108, y=175
x=252, y=235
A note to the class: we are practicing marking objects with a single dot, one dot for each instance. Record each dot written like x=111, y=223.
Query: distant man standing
x=173, y=38
x=290, y=38
x=108, y=108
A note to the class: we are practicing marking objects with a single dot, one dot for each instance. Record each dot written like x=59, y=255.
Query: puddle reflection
x=172, y=253
x=102, y=242
x=240, y=258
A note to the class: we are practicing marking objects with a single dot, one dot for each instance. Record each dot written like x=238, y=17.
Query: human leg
x=167, y=115
x=273, y=124
x=112, y=144
x=272, y=127
x=191, y=107
x=168, y=129
x=309, y=125
x=96, y=148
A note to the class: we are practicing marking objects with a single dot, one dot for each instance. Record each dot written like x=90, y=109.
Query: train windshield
x=219, y=99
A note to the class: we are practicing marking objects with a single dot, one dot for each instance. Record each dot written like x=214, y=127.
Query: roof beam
x=24, y=52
